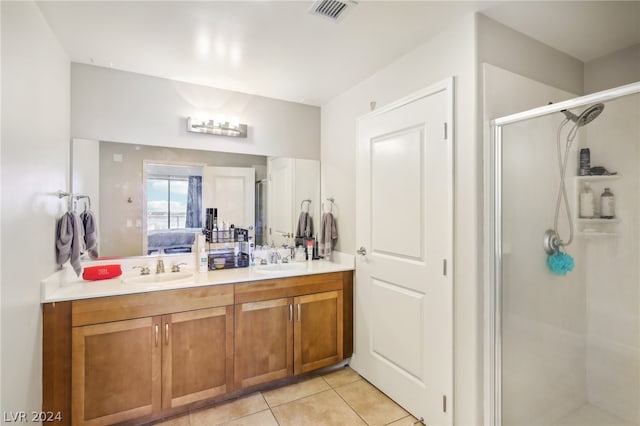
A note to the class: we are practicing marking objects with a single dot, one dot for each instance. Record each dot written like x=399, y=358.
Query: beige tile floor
x=340, y=397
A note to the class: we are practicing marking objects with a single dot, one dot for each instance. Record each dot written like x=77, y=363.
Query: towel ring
x=330, y=200
x=71, y=204
x=79, y=197
x=308, y=205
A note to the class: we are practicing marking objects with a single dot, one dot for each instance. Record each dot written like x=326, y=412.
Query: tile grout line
x=297, y=399
x=351, y=408
x=360, y=378
x=270, y=410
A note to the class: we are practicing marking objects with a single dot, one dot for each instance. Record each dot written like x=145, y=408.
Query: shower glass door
x=565, y=349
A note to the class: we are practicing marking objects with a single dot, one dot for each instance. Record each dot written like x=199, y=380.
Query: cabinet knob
x=362, y=251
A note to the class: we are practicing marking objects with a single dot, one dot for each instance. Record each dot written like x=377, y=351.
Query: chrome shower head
x=587, y=116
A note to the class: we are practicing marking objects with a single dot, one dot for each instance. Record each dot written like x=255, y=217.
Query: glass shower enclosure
x=564, y=349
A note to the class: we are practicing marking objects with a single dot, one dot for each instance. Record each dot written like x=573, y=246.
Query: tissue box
x=102, y=272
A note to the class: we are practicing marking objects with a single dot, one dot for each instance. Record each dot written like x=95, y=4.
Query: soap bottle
x=587, y=202
x=203, y=257
x=607, y=204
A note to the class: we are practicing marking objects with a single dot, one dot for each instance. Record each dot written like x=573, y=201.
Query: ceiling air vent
x=332, y=9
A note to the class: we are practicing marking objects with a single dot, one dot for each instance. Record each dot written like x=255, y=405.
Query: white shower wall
x=612, y=275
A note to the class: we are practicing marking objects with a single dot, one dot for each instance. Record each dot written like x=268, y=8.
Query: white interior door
x=280, y=200
x=232, y=191
x=404, y=212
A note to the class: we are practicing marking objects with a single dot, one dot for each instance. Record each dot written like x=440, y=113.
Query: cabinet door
x=317, y=331
x=197, y=355
x=264, y=341
x=115, y=371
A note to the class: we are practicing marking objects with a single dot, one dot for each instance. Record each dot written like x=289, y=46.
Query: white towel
x=328, y=235
x=69, y=241
x=90, y=233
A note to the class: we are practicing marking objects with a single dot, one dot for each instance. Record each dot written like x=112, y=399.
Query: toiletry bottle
x=309, y=249
x=316, y=255
x=607, y=204
x=250, y=251
x=204, y=260
x=585, y=162
x=587, y=203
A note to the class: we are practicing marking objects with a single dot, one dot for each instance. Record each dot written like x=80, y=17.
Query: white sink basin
x=280, y=268
x=165, y=278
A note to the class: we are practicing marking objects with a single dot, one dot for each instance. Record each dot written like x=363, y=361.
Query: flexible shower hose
x=562, y=190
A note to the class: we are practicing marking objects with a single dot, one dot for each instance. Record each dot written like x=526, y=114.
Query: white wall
x=504, y=47
x=35, y=161
x=451, y=53
x=120, y=106
x=613, y=70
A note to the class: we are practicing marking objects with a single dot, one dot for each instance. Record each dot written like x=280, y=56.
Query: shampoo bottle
x=587, y=204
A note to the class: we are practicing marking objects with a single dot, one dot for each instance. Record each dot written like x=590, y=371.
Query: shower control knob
x=362, y=251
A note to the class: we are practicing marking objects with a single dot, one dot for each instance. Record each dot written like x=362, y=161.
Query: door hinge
x=446, y=133
x=444, y=403
x=444, y=267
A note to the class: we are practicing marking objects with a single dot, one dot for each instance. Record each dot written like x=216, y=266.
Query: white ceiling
x=277, y=49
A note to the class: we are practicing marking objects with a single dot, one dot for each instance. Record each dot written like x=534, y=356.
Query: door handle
x=362, y=251
x=166, y=333
x=157, y=327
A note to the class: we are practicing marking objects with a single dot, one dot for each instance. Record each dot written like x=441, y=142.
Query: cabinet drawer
x=287, y=287
x=116, y=308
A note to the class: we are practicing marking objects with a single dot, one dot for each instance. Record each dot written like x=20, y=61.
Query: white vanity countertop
x=63, y=285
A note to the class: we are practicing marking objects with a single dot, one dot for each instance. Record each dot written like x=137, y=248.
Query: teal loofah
x=560, y=263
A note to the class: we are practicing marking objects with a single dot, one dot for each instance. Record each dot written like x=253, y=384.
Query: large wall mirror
x=149, y=198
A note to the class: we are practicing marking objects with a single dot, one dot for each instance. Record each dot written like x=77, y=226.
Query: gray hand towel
x=90, y=233
x=69, y=241
x=64, y=238
x=305, y=225
x=328, y=234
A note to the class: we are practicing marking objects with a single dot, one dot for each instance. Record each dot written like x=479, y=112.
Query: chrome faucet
x=160, y=266
x=144, y=270
x=176, y=267
x=274, y=255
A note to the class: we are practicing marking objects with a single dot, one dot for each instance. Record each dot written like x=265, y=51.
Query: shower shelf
x=598, y=220
x=598, y=234
x=595, y=227
x=597, y=178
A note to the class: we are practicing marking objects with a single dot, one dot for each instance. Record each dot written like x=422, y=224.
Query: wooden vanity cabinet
x=276, y=336
x=126, y=369
x=136, y=358
x=318, y=329
x=115, y=371
x=197, y=355
x=263, y=341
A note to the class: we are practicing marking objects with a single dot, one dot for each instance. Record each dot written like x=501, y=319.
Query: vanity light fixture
x=216, y=127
